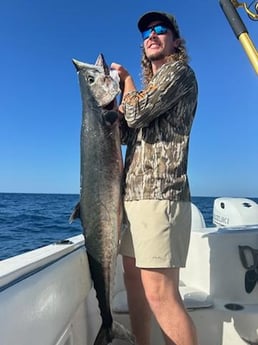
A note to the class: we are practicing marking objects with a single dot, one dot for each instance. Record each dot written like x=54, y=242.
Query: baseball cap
x=165, y=18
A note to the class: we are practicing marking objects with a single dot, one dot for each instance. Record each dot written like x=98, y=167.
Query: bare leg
x=161, y=289
x=140, y=313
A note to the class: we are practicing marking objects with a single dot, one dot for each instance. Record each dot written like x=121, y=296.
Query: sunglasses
x=158, y=29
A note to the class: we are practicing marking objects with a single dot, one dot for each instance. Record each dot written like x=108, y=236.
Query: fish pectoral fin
x=120, y=332
x=76, y=213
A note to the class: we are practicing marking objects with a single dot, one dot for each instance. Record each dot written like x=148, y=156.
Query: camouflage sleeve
x=124, y=131
x=172, y=81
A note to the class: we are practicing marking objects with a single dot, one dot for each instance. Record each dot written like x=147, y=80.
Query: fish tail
x=104, y=336
x=120, y=332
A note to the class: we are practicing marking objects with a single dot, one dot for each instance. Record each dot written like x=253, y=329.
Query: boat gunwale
x=15, y=269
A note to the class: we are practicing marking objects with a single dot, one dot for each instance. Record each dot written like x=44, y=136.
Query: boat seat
x=192, y=298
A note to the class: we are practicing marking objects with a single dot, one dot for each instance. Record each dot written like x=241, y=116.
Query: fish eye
x=90, y=79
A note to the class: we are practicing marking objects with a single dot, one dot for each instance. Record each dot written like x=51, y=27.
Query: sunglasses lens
x=158, y=29
x=146, y=34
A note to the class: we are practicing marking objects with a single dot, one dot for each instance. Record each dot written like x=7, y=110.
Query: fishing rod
x=229, y=8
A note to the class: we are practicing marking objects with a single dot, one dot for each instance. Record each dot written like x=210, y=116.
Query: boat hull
x=47, y=298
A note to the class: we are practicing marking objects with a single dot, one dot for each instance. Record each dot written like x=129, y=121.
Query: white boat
x=46, y=295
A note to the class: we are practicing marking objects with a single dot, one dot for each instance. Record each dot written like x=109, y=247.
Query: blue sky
x=40, y=107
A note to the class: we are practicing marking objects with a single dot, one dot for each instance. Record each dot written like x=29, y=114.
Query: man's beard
x=156, y=57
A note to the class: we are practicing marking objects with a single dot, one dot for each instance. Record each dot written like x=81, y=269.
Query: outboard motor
x=234, y=212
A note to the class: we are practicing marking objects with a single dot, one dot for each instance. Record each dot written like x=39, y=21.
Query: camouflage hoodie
x=156, y=130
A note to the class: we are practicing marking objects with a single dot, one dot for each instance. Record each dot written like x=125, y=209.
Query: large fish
x=100, y=206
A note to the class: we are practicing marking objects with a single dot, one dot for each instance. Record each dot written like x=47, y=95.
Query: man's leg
x=140, y=313
x=161, y=289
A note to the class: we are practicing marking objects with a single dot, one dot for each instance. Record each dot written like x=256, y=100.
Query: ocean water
x=30, y=221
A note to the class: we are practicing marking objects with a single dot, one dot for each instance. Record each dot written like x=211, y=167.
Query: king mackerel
x=100, y=207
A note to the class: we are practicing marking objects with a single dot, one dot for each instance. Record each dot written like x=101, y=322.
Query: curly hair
x=180, y=54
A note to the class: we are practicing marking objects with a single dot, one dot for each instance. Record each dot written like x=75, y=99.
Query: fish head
x=98, y=81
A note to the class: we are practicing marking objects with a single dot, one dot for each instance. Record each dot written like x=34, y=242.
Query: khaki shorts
x=158, y=233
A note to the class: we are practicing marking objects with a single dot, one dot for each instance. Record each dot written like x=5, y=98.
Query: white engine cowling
x=234, y=212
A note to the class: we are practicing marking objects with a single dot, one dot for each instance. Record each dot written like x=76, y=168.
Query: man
x=156, y=128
